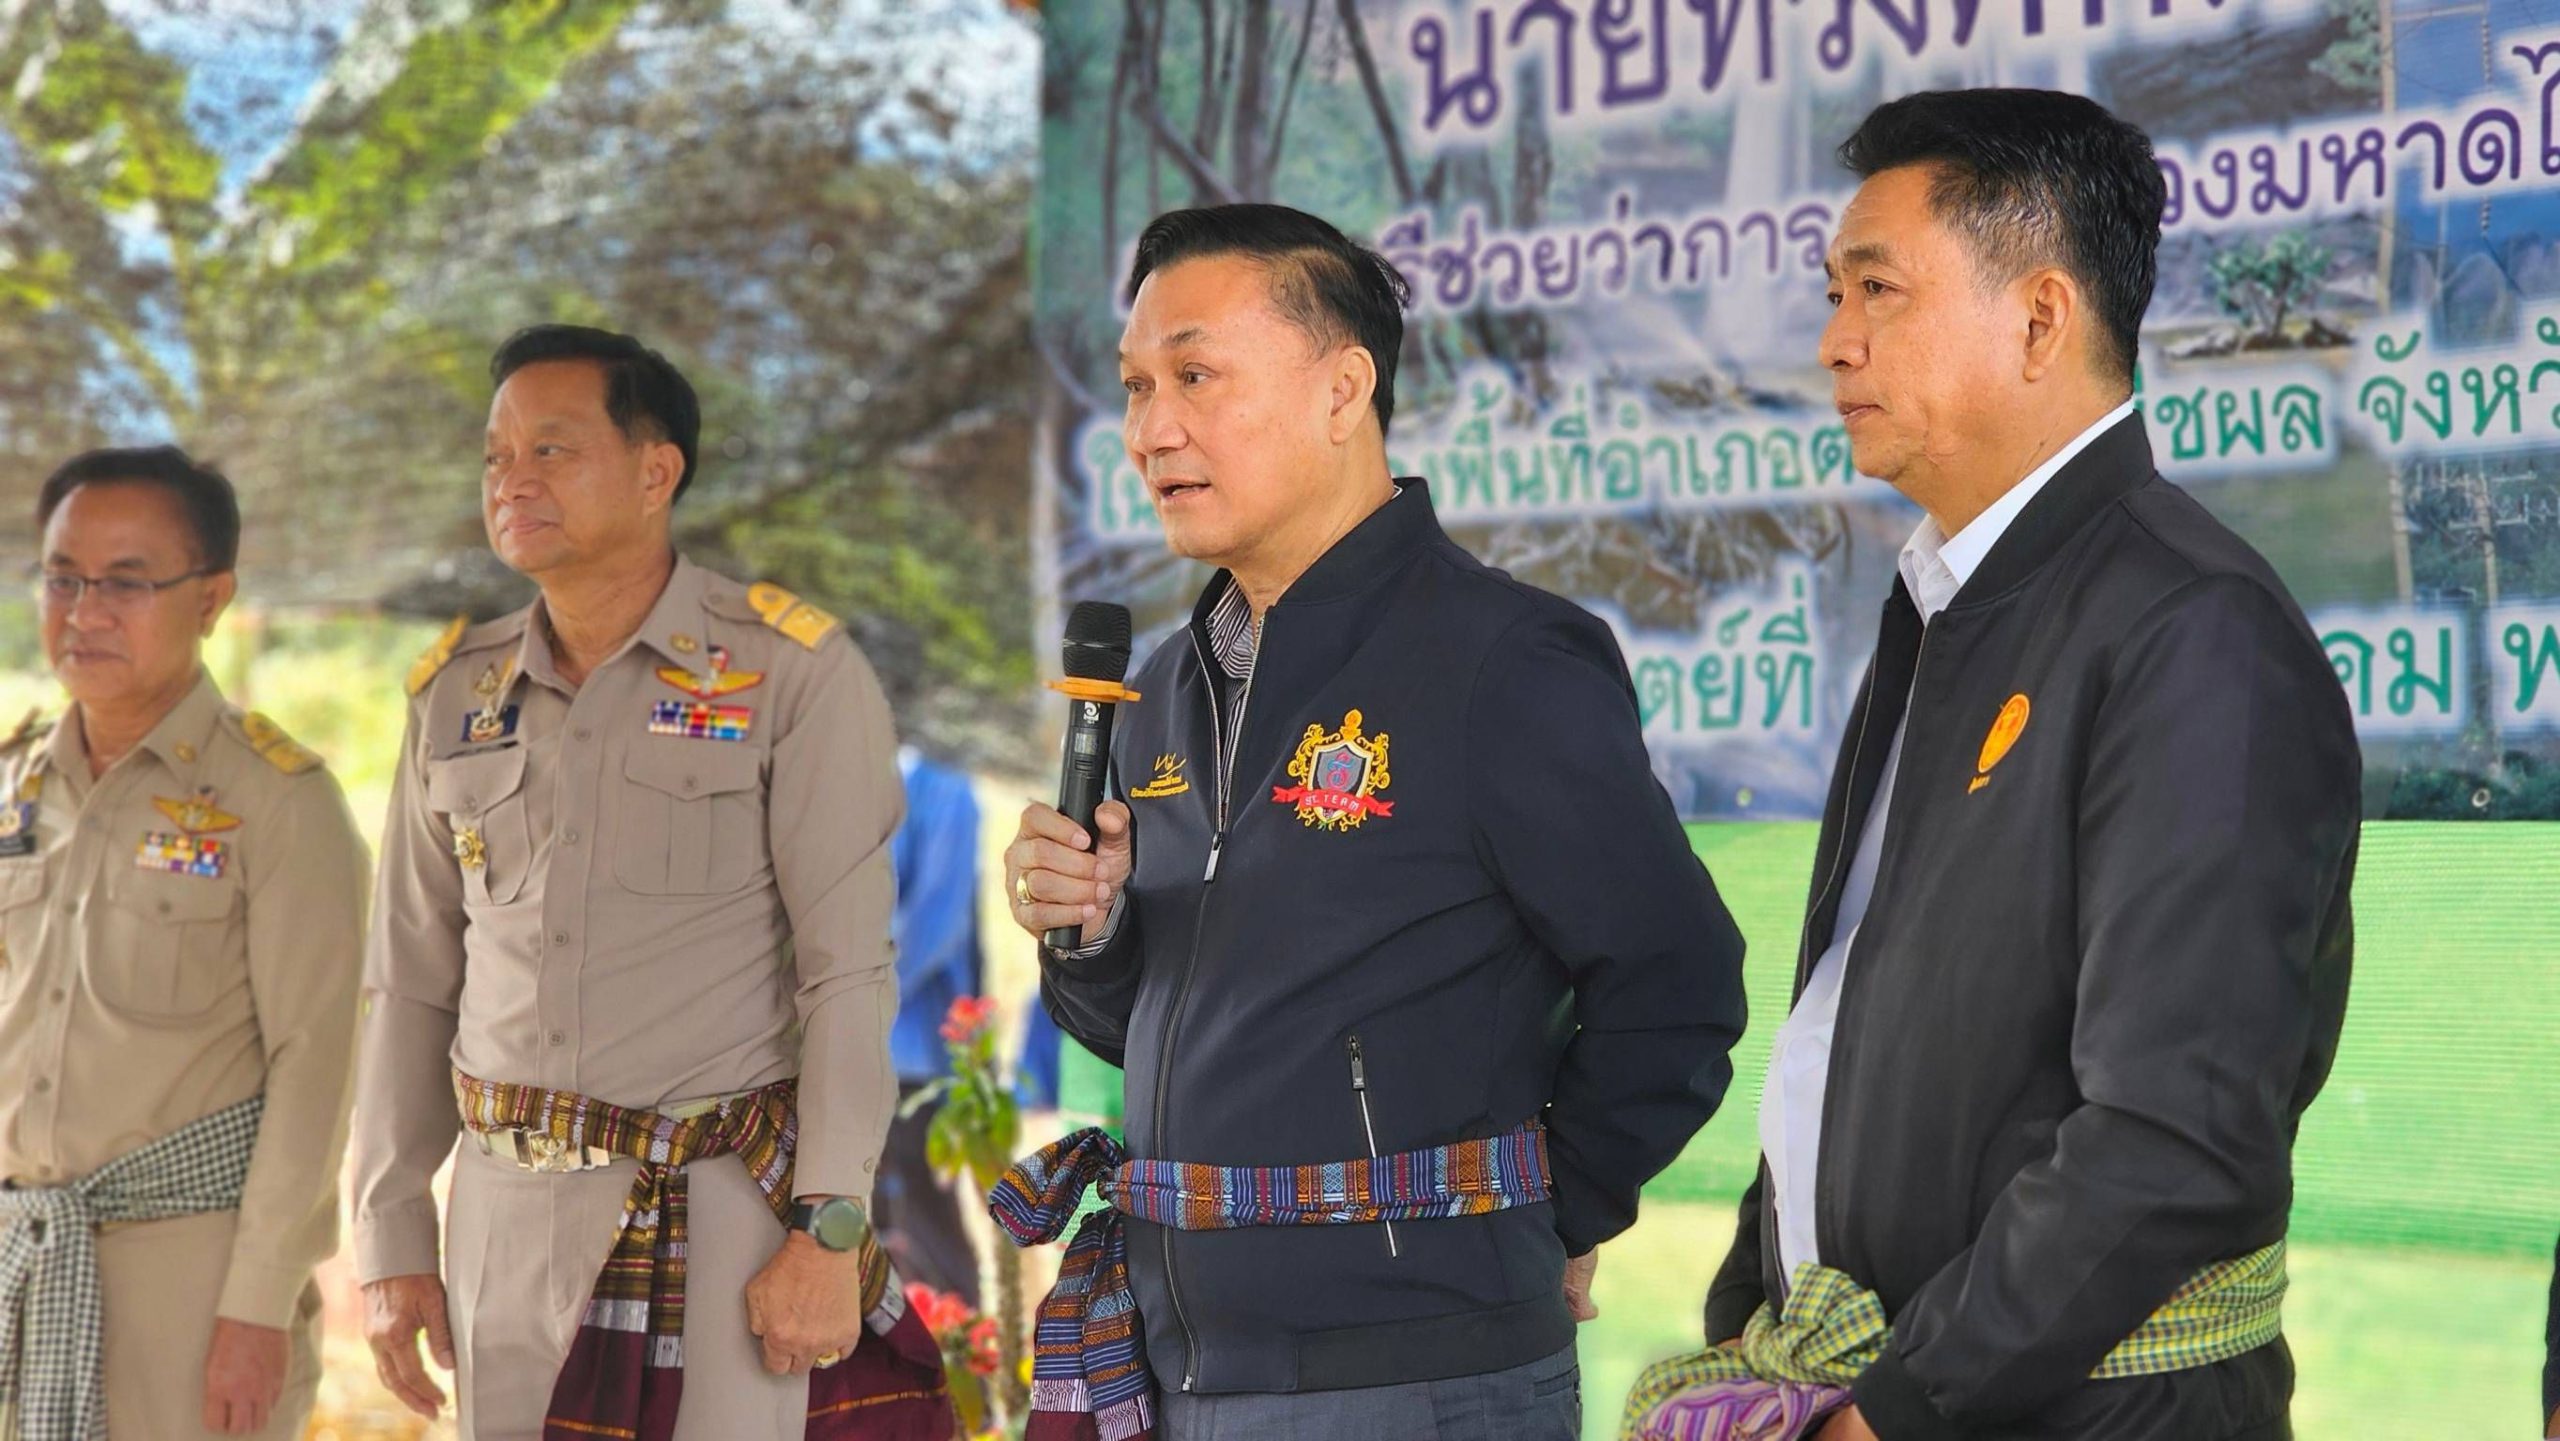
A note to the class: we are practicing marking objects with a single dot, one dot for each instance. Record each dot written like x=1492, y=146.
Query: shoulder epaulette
x=789, y=614
x=275, y=747
x=433, y=660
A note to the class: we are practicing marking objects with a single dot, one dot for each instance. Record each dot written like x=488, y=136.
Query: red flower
x=968, y=1016
x=984, y=1355
x=943, y=1314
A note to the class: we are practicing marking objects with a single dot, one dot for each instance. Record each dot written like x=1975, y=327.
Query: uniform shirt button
x=559, y=1038
x=43, y=1084
x=164, y=908
x=71, y=908
x=584, y=733
x=571, y=838
x=688, y=783
x=60, y=995
x=559, y=938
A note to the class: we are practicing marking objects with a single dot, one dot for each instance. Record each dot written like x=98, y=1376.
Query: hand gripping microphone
x=1096, y=656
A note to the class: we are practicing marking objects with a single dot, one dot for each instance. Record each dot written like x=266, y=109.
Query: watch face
x=839, y=1225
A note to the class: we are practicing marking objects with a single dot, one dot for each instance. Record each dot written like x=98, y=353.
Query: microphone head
x=1097, y=645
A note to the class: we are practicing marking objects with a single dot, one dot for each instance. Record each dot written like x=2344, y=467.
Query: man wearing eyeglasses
x=181, y=922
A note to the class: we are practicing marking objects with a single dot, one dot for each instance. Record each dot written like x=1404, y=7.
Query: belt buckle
x=545, y=1154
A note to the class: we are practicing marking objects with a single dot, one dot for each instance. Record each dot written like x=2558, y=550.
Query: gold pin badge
x=469, y=849
x=684, y=644
x=2005, y=730
x=186, y=753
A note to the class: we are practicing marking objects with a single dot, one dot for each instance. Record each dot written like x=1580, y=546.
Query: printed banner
x=1614, y=212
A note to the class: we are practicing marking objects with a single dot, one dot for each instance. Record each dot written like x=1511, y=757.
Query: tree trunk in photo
x=1252, y=68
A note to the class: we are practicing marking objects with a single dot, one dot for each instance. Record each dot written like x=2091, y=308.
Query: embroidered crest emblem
x=715, y=681
x=492, y=721
x=2005, y=730
x=1339, y=774
x=1169, y=780
x=482, y=727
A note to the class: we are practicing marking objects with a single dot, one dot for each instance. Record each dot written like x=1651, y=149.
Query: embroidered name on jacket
x=1338, y=775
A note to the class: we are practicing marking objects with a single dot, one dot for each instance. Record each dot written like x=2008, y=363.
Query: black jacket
x=2097, y=983
x=1524, y=931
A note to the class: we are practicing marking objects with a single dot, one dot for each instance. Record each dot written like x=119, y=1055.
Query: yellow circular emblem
x=2004, y=733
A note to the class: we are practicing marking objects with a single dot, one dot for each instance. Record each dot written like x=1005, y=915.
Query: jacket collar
x=1373, y=550
x=2112, y=466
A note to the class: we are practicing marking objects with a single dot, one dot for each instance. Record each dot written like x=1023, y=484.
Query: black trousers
x=918, y=1213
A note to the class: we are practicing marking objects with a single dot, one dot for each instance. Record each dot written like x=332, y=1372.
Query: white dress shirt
x=1934, y=567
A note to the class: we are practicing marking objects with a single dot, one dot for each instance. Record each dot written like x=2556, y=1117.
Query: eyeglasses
x=62, y=589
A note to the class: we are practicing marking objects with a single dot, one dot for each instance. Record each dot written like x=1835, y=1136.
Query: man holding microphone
x=1393, y=925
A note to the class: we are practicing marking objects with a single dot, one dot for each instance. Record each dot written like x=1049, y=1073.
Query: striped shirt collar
x=1232, y=634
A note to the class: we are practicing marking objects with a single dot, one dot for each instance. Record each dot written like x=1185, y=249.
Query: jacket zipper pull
x=1217, y=843
x=1360, y=1091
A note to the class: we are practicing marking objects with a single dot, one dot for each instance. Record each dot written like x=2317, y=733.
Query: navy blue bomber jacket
x=1474, y=878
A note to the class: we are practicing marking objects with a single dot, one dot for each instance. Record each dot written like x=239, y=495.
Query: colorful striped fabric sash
x=1089, y=1377
x=624, y=1375
x=1791, y=1370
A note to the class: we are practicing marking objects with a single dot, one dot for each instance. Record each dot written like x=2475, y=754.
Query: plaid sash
x=1790, y=1370
x=624, y=1375
x=1089, y=1377
x=53, y=1368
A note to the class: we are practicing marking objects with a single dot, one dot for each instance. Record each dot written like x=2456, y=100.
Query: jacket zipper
x=1222, y=759
x=1840, y=1020
x=1360, y=1090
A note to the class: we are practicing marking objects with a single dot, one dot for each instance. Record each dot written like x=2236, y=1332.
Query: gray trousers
x=1541, y=1401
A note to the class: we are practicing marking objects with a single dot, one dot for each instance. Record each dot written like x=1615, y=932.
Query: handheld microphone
x=1096, y=657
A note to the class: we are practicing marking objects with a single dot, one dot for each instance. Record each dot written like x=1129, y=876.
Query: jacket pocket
x=21, y=919
x=692, y=818
x=163, y=945
x=483, y=795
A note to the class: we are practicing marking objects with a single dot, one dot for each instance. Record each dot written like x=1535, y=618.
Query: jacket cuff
x=261, y=1295
x=1097, y=962
x=399, y=1242
x=1895, y=1406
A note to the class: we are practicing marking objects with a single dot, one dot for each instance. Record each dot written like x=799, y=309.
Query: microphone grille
x=1097, y=645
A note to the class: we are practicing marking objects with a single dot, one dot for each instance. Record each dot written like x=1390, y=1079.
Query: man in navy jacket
x=1392, y=873
x=2077, y=952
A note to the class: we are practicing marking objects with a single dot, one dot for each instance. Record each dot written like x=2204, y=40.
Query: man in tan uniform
x=181, y=911
x=637, y=855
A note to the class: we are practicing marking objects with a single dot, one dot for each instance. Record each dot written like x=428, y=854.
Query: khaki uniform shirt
x=163, y=962
x=669, y=882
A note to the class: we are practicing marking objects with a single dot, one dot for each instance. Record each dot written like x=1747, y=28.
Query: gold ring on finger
x=1022, y=888
x=829, y=1359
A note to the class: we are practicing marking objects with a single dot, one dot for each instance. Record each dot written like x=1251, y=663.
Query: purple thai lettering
x=1766, y=222
x=1476, y=95
x=1506, y=291
x=1614, y=278
x=2535, y=57
x=1558, y=262
x=1561, y=16
x=1657, y=234
x=2365, y=154
x=1811, y=224
x=1620, y=36
x=2174, y=206
x=1694, y=241
x=1406, y=246
x=1724, y=29
x=2431, y=131
x=1455, y=265
x=2270, y=192
x=2225, y=164
x=2492, y=147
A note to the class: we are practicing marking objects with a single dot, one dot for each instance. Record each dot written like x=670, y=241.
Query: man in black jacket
x=1392, y=876
x=2078, y=943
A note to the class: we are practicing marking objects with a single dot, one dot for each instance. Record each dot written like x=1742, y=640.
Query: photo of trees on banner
x=1613, y=214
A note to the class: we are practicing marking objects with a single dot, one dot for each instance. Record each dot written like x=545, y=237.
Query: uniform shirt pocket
x=484, y=794
x=167, y=944
x=692, y=817
x=21, y=919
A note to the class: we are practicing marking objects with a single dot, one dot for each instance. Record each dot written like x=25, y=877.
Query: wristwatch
x=835, y=1223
